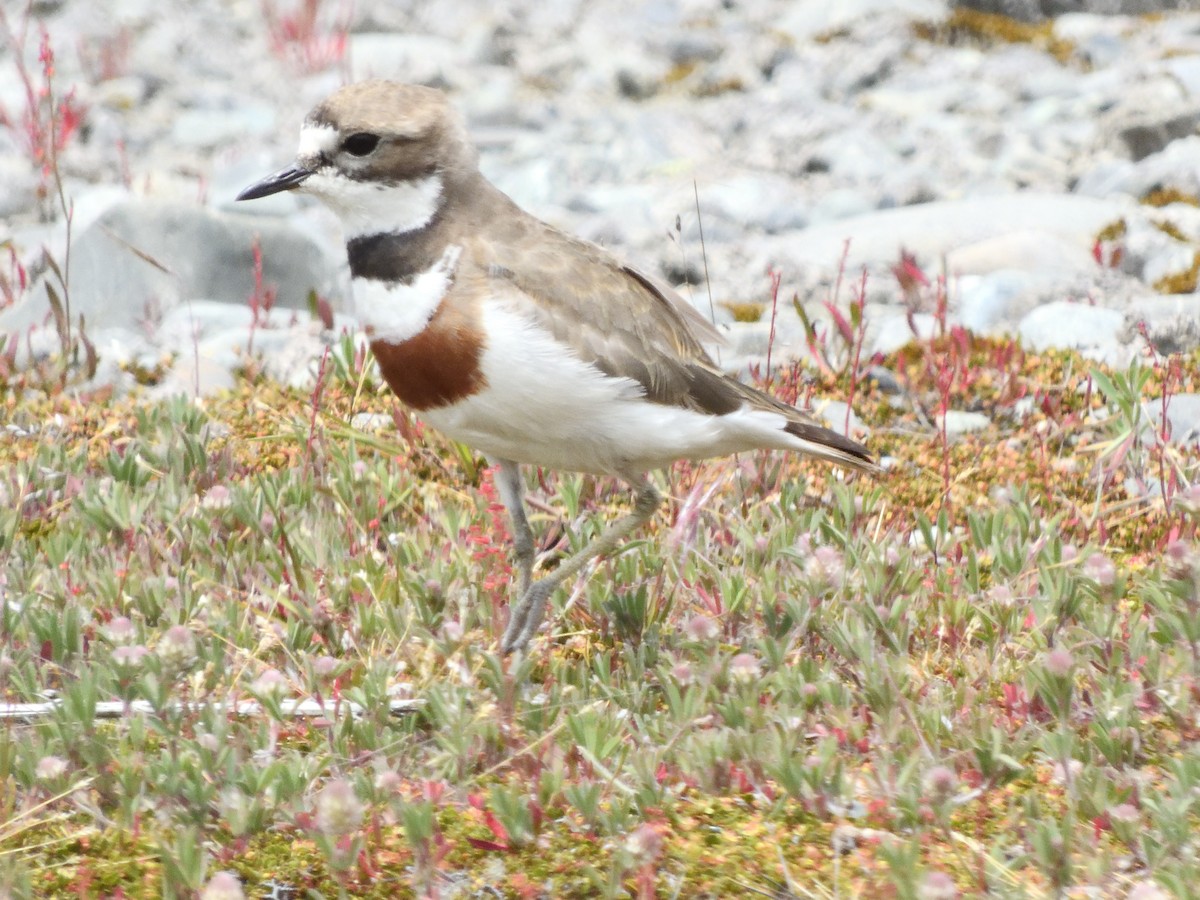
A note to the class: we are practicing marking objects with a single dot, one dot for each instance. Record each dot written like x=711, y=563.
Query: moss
x=1181, y=282
x=680, y=72
x=1113, y=231
x=746, y=312
x=1165, y=196
x=147, y=376
x=1170, y=230
x=990, y=28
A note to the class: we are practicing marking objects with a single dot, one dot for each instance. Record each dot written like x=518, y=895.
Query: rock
x=210, y=128
x=1092, y=330
x=807, y=19
x=1172, y=167
x=957, y=422
x=288, y=351
x=930, y=230
x=1031, y=250
x=1172, y=324
x=18, y=185
x=1038, y=10
x=1183, y=414
x=985, y=302
x=839, y=204
x=1144, y=138
x=757, y=201
x=890, y=331
x=839, y=417
x=139, y=260
x=419, y=58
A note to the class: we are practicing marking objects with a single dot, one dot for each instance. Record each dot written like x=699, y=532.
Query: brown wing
x=630, y=325
x=620, y=320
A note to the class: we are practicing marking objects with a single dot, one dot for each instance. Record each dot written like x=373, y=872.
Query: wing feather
x=631, y=325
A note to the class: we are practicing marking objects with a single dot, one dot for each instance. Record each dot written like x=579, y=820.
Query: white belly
x=545, y=407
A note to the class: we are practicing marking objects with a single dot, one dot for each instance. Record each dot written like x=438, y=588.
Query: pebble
x=1092, y=330
x=1183, y=414
x=958, y=422
x=824, y=141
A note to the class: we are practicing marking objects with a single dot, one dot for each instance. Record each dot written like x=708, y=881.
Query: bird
x=515, y=338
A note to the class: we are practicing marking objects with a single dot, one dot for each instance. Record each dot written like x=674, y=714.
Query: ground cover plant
x=975, y=673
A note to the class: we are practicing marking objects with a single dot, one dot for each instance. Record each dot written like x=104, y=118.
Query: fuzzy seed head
x=937, y=886
x=644, y=843
x=217, y=497
x=50, y=768
x=270, y=683
x=1100, y=569
x=701, y=629
x=940, y=784
x=1124, y=813
x=1188, y=501
x=209, y=742
x=325, y=667
x=682, y=673
x=120, y=631
x=744, y=668
x=1147, y=890
x=339, y=811
x=129, y=657
x=1183, y=559
x=177, y=649
x=389, y=782
x=1059, y=775
x=1058, y=663
x=825, y=567
x=223, y=886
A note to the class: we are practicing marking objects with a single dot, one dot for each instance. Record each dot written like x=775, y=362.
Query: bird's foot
x=526, y=615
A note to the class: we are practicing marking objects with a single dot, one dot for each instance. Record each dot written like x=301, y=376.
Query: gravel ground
x=819, y=139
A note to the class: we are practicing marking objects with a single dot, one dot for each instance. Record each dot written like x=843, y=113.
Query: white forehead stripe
x=317, y=139
x=393, y=312
x=372, y=207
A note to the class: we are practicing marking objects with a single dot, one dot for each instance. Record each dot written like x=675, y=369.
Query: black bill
x=283, y=180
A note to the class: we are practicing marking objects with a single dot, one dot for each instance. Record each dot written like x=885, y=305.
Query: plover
x=514, y=338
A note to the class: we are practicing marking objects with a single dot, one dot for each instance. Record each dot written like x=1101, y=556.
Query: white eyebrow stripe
x=316, y=140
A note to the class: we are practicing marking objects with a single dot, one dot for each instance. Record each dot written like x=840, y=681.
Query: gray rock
x=887, y=332
x=210, y=128
x=139, y=260
x=931, y=229
x=1170, y=323
x=1144, y=138
x=1174, y=166
x=288, y=354
x=959, y=422
x=837, y=204
x=1038, y=10
x=1092, y=330
x=806, y=19
x=1183, y=414
x=1032, y=250
x=985, y=302
x=757, y=201
x=18, y=186
x=420, y=58
x=838, y=416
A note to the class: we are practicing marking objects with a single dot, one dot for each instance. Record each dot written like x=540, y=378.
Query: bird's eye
x=360, y=144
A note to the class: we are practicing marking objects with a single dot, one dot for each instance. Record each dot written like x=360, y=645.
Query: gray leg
x=526, y=614
x=512, y=493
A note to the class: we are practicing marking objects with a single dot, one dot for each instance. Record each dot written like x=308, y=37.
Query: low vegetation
x=976, y=673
